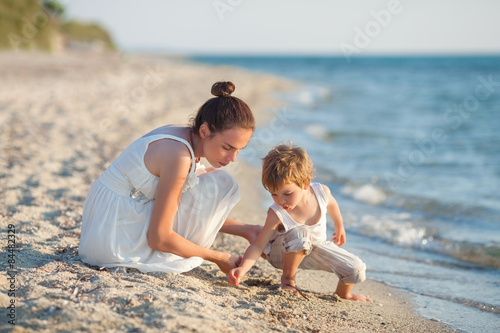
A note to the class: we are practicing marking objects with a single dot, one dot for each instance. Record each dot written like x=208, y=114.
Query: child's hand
x=233, y=277
x=340, y=238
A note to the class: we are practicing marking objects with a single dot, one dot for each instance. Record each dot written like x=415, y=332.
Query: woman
x=156, y=209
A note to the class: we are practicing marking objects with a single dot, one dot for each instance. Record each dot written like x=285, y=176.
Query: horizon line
x=308, y=54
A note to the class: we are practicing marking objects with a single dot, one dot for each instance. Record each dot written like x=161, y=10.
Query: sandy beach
x=63, y=119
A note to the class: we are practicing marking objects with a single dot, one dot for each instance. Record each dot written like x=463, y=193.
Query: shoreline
x=66, y=117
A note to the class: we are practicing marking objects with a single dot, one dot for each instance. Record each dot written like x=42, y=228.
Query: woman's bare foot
x=251, y=232
x=247, y=231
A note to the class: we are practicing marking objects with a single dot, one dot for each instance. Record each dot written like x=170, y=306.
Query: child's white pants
x=325, y=256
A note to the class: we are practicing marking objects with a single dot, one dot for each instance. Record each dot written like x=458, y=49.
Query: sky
x=350, y=27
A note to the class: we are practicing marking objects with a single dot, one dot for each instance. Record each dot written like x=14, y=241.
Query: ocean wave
x=376, y=195
x=404, y=230
x=480, y=254
x=366, y=193
x=317, y=131
x=396, y=230
x=311, y=96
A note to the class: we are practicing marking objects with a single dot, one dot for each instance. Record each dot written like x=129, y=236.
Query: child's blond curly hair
x=286, y=164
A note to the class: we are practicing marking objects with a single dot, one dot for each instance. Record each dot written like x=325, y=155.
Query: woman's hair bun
x=223, y=88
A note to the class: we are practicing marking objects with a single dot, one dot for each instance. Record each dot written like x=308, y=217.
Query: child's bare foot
x=289, y=286
x=344, y=291
x=354, y=297
x=291, y=289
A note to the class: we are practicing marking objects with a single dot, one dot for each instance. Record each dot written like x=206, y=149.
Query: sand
x=63, y=118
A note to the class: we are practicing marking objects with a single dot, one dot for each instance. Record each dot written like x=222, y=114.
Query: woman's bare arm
x=173, y=173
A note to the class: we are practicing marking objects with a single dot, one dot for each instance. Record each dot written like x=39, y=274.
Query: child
x=294, y=234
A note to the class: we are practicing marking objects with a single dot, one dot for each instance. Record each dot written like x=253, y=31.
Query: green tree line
x=41, y=25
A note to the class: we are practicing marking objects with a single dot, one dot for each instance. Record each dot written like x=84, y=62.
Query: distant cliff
x=40, y=25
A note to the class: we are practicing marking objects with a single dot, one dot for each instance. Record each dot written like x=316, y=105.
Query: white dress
x=118, y=207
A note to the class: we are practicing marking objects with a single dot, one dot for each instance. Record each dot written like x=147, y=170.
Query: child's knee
x=297, y=240
x=354, y=273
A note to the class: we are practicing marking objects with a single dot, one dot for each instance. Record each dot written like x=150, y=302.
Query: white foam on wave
x=366, y=193
x=395, y=229
x=311, y=95
x=305, y=97
x=316, y=130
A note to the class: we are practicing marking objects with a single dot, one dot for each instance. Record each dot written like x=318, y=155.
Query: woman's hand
x=226, y=262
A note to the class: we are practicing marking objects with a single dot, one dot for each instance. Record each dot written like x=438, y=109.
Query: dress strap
x=156, y=137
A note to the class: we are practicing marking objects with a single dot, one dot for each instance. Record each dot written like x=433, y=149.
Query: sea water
x=410, y=147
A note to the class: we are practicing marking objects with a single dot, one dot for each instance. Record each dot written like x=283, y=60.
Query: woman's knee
x=219, y=179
